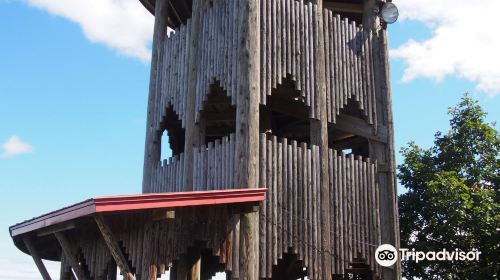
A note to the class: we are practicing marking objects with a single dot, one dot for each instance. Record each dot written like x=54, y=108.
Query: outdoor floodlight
x=389, y=13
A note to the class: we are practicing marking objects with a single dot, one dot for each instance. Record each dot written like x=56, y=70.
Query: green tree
x=452, y=198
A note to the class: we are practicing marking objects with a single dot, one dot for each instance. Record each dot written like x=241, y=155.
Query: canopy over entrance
x=41, y=230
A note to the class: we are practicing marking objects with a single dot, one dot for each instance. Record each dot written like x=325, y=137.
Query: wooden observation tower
x=287, y=99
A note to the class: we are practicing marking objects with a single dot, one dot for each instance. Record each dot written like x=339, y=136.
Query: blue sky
x=78, y=101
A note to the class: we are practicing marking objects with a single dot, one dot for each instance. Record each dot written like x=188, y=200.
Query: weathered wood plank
x=274, y=202
x=263, y=206
x=296, y=197
x=269, y=211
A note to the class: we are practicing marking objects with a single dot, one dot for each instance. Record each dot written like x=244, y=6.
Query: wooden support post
x=69, y=254
x=173, y=271
x=181, y=269
x=38, y=261
x=114, y=247
x=153, y=137
x=193, y=137
x=247, y=131
x=319, y=137
x=383, y=153
x=64, y=274
x=148, y=262
x=111, y=272
x=370, y=19
x=392, y=157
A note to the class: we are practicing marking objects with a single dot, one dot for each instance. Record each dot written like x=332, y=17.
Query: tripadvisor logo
x=387, y=255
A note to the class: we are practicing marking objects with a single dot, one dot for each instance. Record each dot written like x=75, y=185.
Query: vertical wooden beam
x=193, y=131
x=319, y=137
x=114, y=247
x=149, y=266
x=69, y=254
x=111, y=272
x=63, y=274
x=38, y=261
x=247, y=131
x=182, y=268
x=383, y=153
x=370, y=19
x=388, y=193
x=153, y=138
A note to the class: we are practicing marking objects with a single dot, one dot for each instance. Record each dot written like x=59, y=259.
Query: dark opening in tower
x=285, y=114
x=351, y=9
x=353, y=109
x=218, y=117
x=347, y=140
x=289, y=267
x=348, y=143
x=172, y=133
x=179, y=11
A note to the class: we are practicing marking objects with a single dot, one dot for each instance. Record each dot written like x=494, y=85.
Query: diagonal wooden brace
x=36, y=258
x=114, y=248
x=69, y=253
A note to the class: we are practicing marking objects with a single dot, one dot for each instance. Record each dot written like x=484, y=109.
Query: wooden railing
x=168, y=176
x=290, y=216
x=349, y=59
x=214, y=165
x=213, y=169
x=289, y=36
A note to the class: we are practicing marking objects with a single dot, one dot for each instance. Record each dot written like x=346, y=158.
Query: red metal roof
x=107, y=204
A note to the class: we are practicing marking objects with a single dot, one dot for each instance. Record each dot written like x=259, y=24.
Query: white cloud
x=464, y=42
x=15, y=146
x=124, y=25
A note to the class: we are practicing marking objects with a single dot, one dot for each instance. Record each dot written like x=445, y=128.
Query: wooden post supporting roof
x=65, y=273
x=153, y=138
x=69, y=254
x=36, y=258
x=247, y=131
x=319, y=137
x=114, y=247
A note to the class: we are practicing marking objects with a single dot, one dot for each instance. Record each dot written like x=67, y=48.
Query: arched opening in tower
x=358, y=270
x=172, y=134
x=285, y=114
x=289, y=267
x=218, y=117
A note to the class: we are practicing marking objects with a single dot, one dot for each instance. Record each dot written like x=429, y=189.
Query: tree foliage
x=452, y=198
